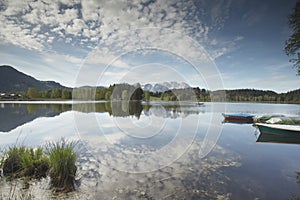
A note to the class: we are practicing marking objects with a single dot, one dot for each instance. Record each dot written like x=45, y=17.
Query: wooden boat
x=279, y=129
x=238, y=118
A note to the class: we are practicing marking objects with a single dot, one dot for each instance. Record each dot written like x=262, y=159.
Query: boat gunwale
x=284, y=127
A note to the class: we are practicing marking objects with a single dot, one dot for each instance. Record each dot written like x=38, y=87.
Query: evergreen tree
x=292, y=45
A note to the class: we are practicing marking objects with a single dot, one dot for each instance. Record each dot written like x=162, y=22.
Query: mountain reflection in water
x=22, y=113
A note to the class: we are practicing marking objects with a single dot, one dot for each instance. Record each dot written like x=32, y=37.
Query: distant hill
x=253, y=95
x=12, y=80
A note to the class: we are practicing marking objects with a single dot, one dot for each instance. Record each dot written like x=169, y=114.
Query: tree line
x=239, y=95
x=127, y=92
x=252, y=95
x=122, y=91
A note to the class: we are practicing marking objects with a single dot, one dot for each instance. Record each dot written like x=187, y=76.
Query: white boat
x=281, y=129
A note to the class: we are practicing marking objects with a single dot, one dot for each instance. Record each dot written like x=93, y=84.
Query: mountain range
x=162, y=87
x=12, y=80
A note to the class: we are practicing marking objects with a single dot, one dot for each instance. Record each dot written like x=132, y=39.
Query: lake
x=161, y=150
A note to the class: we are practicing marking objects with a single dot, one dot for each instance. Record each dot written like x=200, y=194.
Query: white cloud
x=19, y=35
x=120, y=26
x=73, y=59
x=90, y=10
x=54, y=57
x=106, y=18
x=214, y=42
x=219, y=52
x=238, y=38
x=152, y=73
x=104, y=58
x=224, y=47
x=50, y=39
x=277, y=67
x=69, y=15
x=15, y=7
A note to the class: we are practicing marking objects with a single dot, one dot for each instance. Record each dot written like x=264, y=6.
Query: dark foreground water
x=132, y=150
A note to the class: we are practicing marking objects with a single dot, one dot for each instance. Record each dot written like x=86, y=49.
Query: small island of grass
x=56, y=160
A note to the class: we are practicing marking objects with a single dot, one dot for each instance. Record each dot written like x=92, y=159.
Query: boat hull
x=238, y=118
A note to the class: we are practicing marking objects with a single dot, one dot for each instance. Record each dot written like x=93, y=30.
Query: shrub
x=22, y=161
x=12, y=164
x=59, y=161
x=62, y=165
x=34, y=163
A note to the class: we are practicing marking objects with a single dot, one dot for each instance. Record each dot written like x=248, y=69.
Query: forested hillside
x=239, y=95
x=12, y=80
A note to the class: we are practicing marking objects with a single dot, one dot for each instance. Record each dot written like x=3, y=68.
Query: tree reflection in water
x=23, y=113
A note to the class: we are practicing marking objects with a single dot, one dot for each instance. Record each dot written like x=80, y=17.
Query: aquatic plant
x=59, y=162
x=11, y=160
x=62, y=164
x=35, y=163
x=24, y=161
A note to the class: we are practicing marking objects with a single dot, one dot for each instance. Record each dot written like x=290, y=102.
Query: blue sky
x=213, y=44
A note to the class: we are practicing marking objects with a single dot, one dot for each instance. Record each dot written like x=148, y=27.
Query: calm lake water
x=132, y=150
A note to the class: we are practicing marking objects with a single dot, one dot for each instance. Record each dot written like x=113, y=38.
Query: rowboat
x=238, y=118
x=279, y=129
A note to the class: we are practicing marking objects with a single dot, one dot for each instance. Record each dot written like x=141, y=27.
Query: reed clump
x=62, y=170
x=56, y=159
x=25, y=161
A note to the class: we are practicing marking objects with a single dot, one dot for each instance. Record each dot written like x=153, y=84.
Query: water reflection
x=186, y=178
x=120, y=137
x=13, y=115
x=277, y=138
x=139, y=143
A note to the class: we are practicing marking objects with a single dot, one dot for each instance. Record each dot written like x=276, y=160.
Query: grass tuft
x=62, y=164
x=58, y=162
x=23, y=161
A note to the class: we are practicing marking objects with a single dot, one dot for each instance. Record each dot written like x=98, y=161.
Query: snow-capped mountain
x=162, y=87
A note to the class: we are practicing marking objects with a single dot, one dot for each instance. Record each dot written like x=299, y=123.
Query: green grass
x=11, y=160
x=62, y=164
x=58, y=162
x=23, y=161
x=289, y=122
x=35, y=163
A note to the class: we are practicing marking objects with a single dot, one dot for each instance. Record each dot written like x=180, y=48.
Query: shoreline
x=50, y=101
x=70, y=101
